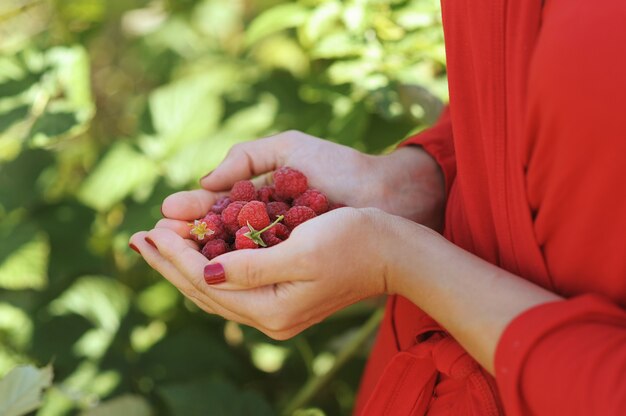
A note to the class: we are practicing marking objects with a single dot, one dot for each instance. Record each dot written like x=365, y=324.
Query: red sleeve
x=437, y=141
x=569, y=357
x=565, y=358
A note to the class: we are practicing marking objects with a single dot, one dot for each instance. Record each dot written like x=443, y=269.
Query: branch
x=317, y=383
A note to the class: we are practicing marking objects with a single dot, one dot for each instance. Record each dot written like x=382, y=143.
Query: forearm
x=473, y=299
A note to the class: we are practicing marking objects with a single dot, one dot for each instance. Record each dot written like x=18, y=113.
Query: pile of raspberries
x=255, y=218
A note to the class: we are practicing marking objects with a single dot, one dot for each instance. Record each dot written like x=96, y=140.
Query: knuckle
x=235, y=149
x=252, y=276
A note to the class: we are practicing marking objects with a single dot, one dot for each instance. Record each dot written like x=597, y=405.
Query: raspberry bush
x=108, y=107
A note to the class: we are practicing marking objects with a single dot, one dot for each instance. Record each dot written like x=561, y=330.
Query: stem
x=315, y=384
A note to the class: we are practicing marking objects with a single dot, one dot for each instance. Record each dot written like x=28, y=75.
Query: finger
x=247, y=160
x=188, y=205
x=173, y=275
x=158, y=262
x=181, y=228
x=171, y=254
x=249, y=269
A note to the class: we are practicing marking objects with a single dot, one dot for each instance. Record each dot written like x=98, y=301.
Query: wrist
x=412, y=186
x=409, y=257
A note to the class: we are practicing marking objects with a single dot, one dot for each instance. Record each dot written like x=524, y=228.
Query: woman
x=530, y=282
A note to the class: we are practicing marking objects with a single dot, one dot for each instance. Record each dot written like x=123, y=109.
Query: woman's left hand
x=327, y=263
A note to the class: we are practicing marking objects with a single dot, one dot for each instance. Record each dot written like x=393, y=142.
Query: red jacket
x=533, y=149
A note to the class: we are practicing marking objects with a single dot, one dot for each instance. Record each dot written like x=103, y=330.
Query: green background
x=106, y=107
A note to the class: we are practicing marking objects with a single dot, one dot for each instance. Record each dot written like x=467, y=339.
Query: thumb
x=247, y=160
x=253, y=268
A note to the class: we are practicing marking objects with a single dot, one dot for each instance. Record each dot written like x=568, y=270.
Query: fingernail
x=214, y=274
x=162, y=214
x=131, y=245
x=149, y=241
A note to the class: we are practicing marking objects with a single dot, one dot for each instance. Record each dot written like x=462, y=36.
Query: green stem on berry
x=255, y=235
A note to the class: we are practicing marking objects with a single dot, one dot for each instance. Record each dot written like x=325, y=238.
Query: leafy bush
x=106, y=108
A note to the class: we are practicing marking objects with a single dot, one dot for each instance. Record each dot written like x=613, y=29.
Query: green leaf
x=21, y=389
x=127, y=404
x=50, y=125
x=72, y=72
x=343, y=72
x=25, y=266
x=322, y=19
x=15, y=325
x=281, y=17
x=12, y=116
x=195, y=159
x=282, y=52
x=188, y=107
x=12, y=87
x=121, y=172
x=101, y=300
x=210, y=397
x=338, y=45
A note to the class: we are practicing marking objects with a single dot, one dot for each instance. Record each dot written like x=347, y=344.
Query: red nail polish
x=131, y=245
x=149, y=241
x=214, y=274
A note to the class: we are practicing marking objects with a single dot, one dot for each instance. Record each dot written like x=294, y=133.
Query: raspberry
x=277, y=208
x=297, y=215
x=289, y=183
x=275, y=235
x=206, y=229
x=216, y=219
x=242, y=241
x=254, y=214
x=214, y=248
x=335, y=205
x=220, y=205
x=266, y=194
x=243, y=191
x=313, y=199
x=229, y=216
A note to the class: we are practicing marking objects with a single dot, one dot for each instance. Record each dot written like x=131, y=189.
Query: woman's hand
x=326, y=264
x=337, y=259
x=407, y=182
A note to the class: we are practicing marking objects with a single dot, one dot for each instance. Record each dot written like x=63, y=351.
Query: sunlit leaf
x=275, y=19
x=338, y=45
x=101, y=300
x=158, y=299
x=321, y=20
x=188, y=108
x=15, y=325
x=118, y=174
x=21, y=389
x=282, y=52
x=27, y=266
x=72, y=71
x=342, y=72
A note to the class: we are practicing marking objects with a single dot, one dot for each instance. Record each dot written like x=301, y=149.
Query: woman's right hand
x=407, y=182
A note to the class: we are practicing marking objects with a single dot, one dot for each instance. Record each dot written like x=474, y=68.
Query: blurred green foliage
x=106, y=107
